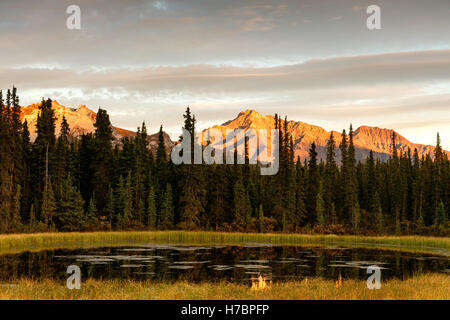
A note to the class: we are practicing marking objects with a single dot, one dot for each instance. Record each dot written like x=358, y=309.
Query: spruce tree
x=128, y=204
x=330, y=180
x=151, y=209
x=300, y=207
x=43, y=153
x=320, y=207
x=32, y=224
x=356, y=217
x=397, y=221
x=70, y=214
x=193, y=193
x=119, y=203
x=378, y=212
x=102, y=160
x=16, y=220
x=161, y=155
x=109, y=208
x=26, y=171
x=441, y=216
x=62, y=166
x=218, y=206
x=167, y=210
x=92, y=215
x=350, y=187
x=313, y=183
x=240, y=204
x=48, y=207
x=290, y=203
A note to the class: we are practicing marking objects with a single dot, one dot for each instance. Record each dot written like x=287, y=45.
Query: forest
x=91, y=182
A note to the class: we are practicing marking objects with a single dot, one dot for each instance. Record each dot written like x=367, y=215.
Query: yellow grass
x=427, y=286
x=22, y=242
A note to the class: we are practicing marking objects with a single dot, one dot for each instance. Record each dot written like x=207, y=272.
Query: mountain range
x=81, y=120
x=365, y=138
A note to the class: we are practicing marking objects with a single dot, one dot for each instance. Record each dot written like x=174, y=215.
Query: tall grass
x=426, y=286
x=20, y=242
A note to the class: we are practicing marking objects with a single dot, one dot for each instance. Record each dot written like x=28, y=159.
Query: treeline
x=95, y=183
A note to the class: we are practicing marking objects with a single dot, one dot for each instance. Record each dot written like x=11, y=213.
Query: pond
x=238, y=263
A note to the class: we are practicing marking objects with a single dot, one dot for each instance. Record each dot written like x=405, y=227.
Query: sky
x=312, y=60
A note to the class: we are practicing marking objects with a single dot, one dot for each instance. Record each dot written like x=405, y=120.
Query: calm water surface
x=215, y=263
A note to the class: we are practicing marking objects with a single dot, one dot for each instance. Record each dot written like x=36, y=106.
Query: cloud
x=425, y=67
x=144, y=58
x=335, y=18
x=333, y=92
x=160, y=5
x=257, y=24
x=176, y=32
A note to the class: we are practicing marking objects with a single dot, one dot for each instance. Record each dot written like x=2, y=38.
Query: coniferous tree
x=128, y=204
x=441, y=216
x=92, y=215
x=350, y=186
x=5, y=155
x=119, y=202
x=48, y=207
x=70, y=210
x=356, y=217
x=193, y=194
x=330, y=180
x=378, y=212
x=102, y=159
x=15, y=166
x=300, y=207
x=370, y=185
x=290, y=185
x=32, y=224
x=151, y=209
x=43, y=154
x=26, y=171
x=313, y=183
x=343, y=176
x=161, y=156
x=217, y=204
x=416, y=187
x=320, y=206
x=78, y=183
x=109, y=208
x=167, y=210
x=16, y=220
x=241, y=204
x=85, y=155
x=62, y=166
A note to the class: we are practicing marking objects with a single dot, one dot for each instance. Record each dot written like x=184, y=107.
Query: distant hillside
x=81, y=120
x=365, y=138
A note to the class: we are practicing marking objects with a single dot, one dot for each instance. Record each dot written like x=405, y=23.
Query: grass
x=426, y=286
x=22, y=242
x=421, y=287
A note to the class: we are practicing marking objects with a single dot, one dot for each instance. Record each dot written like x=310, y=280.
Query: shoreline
x=16, y=243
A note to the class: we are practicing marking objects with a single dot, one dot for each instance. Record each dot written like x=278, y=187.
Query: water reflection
x=215, y=263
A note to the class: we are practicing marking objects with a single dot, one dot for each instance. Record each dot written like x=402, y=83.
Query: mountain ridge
x=365, y=138
x=81, y=120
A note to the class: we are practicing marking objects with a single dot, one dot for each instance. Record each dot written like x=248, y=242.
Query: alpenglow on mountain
x=365, y=138
x=81, y=120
